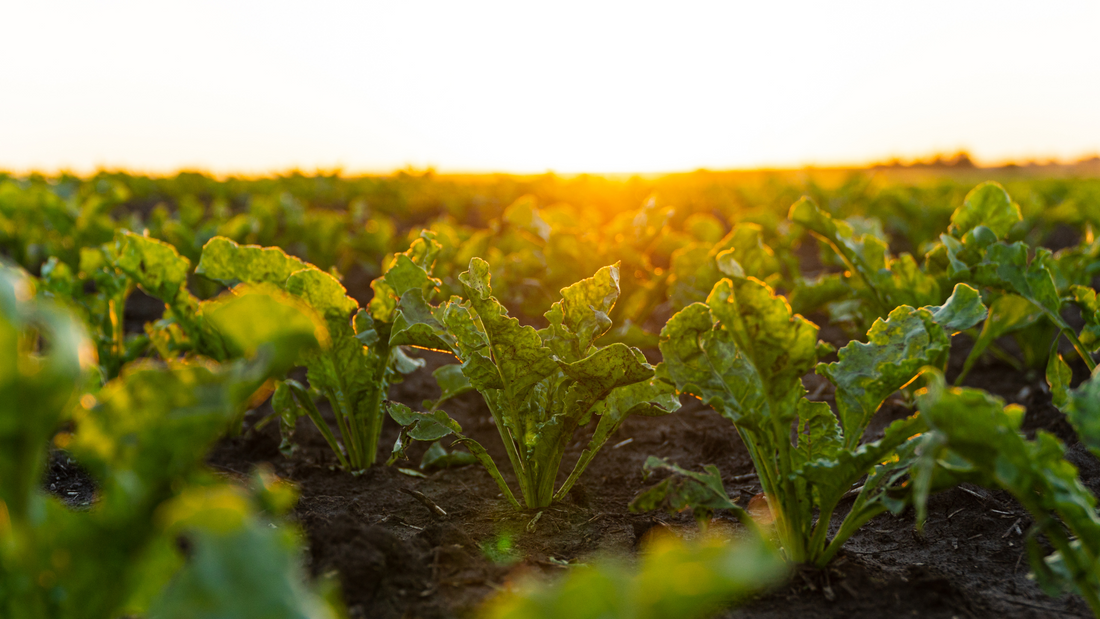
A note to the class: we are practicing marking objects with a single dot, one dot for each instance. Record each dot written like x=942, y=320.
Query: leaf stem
x=311, y=409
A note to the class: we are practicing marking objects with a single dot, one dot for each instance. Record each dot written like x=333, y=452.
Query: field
x=876, y=387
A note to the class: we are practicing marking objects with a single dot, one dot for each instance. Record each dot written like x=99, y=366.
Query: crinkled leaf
x=325, y=295
x=155, y=266
x=416, y=323
x=517, y=351
x=819, y=434
x=780, y=347
x=833, y=477
x=701, y=492
x=581, y=315
x=649, y=398
x=405, y=275
x=704, y=361
x=1007, y=267
x=226, y=262
x=598, y=374
x=867, y=373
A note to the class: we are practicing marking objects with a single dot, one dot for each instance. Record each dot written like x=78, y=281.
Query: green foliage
x=143, y=438
x=100, y=309
x=974, y=250
x=354, y=371
x=541, y=386
x=697, y=267
x=238, y=565
x=743, y=353
x=1083, y=411
x=976, y=437
x=885, y=282
x=674, y=580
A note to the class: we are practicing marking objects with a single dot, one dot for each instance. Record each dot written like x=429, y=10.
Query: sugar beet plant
x=354, y=372
x=744, y=354
x=539, y=385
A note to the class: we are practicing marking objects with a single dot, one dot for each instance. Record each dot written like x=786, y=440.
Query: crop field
x=823, y=393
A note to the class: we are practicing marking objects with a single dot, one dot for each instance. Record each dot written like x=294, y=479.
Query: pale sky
x=251, y=87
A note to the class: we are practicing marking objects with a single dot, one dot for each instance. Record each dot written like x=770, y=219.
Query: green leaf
x=429, y=426
x=1007, y=267
x=1008, y=313
x=252, y=317
x=742, y=353
x=226, y=262
x=1082, y=409
x=439, y=458
x=416, y=323
x=1085, y=298
x=325, y=295
x=867, y=373
x=701, y=492
x=405, y=275
x=155, y=266
x=986, y=205
x=962, y=310
x=249, y=572
x=695, y=269
x=819, y=434
x=1059, y=376
x=284, y=405
x=524, y=214
x=980, y=429
x=833, y=477
x=581, y=315
x=517, y=351
x=649, y=398
x=810, y=295
x=893, y=282
x=601, y=372
x=452, y=382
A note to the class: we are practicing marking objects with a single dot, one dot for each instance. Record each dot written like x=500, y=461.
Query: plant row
x=734, y=343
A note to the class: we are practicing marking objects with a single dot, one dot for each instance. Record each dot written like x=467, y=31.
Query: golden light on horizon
x=602, y=87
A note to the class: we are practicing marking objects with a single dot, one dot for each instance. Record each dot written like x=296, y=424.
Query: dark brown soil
x=398, y=559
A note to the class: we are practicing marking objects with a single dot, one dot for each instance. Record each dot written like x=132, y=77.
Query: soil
x=397, y=558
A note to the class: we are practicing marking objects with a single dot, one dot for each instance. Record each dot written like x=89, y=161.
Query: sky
x=243, y=86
